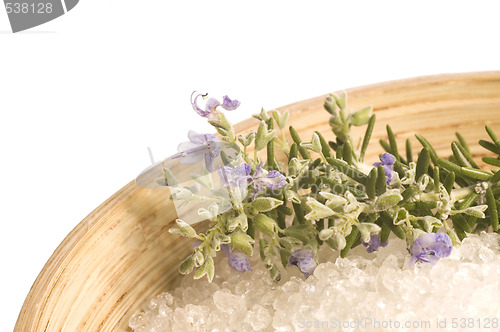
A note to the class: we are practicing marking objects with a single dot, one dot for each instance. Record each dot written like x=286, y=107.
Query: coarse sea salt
x=363, y=292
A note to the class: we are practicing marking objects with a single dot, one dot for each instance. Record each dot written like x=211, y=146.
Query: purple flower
x=228, y=104
x=237, y=261
x=261, y=180
x=237, y=177
x=199, y=147
x=374, y=243
x=304, y=260
x=387, y=161
x=210, y=111
x=430, y=247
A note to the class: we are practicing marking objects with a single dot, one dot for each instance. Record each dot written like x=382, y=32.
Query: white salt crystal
x=258, y=317
x=227, y=302
x=379, y=286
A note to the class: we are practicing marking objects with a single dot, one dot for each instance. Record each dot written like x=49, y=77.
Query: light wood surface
x=121, y=254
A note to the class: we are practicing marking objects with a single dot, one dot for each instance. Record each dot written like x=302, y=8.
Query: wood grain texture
x=121, y=254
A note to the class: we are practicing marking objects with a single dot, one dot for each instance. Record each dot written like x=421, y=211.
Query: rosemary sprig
x=324, y=194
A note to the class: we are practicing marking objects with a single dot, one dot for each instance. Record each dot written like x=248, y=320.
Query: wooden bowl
x=121, y=254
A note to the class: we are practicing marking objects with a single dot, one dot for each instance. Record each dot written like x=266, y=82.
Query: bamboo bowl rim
x=108, y=264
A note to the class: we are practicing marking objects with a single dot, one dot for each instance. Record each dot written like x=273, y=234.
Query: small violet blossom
x=261, y=179
x=430, y=247
x=304, y=260
x=374, y=243
x=237, y=261
x=211, y=105
x=199, y=147
x=239, y=177
x=387, y=161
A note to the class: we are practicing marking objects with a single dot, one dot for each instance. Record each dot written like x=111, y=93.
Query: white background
x=82, y=97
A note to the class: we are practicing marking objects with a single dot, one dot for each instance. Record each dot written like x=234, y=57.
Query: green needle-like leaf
x=293, y=152
x=371, y=184
x=462, y=223
x=385, y=145
x=429, y=147
x=475, y=174
x=436, y=176
x=409, y=156
x=462, y=142
x=366, y=138
x=339, y=188
x=348, y=170
x=490, y=146
x=350, y=240
x=385, y=232
x=325, y=148
x=492, y=209
x=424, y=158
x=492, y=161
x=459, y=156
x=392, y=143
x=467, y=154
x=299, y=213
x=457, y=227
x=347, y=153
x=468, y=201
x=492, y=136
x=271, y=161
x=334, y=146
x=449, y=166
x=296, y=138
x=381, y=186
x=407, y=194
x=495, y=178
x=449, y=181
x=396, y=229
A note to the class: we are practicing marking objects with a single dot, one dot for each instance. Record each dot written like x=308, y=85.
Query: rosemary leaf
x=468, y=201
x=467, y=155
x=458, y=229
x=392, y=142
x=371, y=184
x=476, y=174
x=381, y=186
x=396, y=229
x=385, y=145
x=462, y=223
x=409, y=156
x=271, y=161
x=347, y=153
x=449, y=181
x=492, y=209
x=296, y=138
x=429, y=147
x=462, y=142
x=459, y=156
x=325, y=148
x=348, y=170
x=437, y=175
x=367, y=136
x=350, y=240
x=495, y=178
x=492, y=135
x=293, y=152
x=492, y=161
x=490, y=146
x=423, y=160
